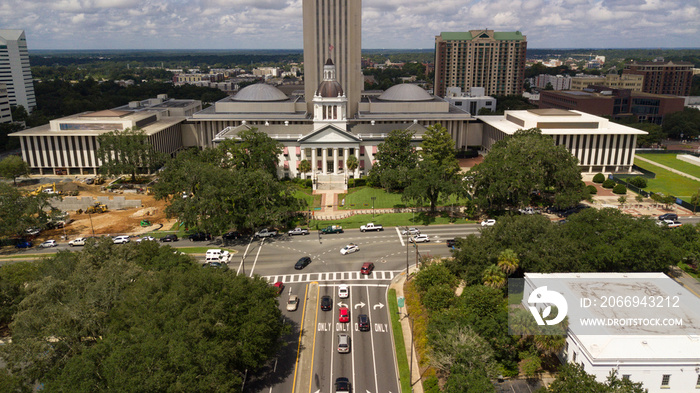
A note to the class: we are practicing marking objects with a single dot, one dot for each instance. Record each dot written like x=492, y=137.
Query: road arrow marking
x=341, y=304
x=360, y=304
x=378, y=305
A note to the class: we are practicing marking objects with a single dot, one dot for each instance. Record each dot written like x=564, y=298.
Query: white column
x=346, y=153
x=313, y=161
x=335, y=160
x=324, y=162
x=357, y=155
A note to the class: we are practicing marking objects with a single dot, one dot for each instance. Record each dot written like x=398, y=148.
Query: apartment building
x=663, y=77
x=14, y=69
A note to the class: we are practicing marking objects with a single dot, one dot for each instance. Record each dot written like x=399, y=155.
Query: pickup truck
x=371, y=227
x=332, y=229
x=298, y=231
x=266, y=233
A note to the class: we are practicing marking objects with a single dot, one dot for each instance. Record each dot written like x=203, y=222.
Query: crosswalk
x=376, y=275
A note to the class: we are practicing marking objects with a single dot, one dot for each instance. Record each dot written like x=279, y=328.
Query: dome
x=330, y=89
x=260, y=92
x=405, y=92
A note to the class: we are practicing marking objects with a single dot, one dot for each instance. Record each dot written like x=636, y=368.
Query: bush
x=620, y=189
x=638, y=181
x=357, y=182
x=592, y=189
x=598, y=178
x=608, y=184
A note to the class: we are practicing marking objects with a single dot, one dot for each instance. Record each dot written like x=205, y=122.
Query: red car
x=367, y=268
x=279, y=286
x=344, y=315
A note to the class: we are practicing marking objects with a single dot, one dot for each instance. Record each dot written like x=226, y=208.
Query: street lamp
x=91, y=226
x=373, y=198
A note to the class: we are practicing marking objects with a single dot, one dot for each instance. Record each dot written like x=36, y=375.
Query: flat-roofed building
x=663, y=357
x=661, y=77
x=14, y=69
x=480, y=58
x=68, y=146
x=613, y=81
x=558, y=82
x=599, y=144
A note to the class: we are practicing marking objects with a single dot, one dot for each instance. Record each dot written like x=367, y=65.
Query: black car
x=302, y=262
x=668, y=216
x=326, y=303
x=451, y=243
x=169, y=238
x=199, y=237
x=342, y=384
x=363, y=322
x=231, y=235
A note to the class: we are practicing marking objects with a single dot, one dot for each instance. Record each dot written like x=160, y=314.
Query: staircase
x=331, y=182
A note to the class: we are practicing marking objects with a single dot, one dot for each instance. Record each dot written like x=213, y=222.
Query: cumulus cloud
x=124, y=24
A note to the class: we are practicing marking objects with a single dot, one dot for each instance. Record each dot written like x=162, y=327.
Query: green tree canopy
x=523, y=165
x=252, y=149
x=126, y=152
x=140, y=318
x=12, y=167
x=685, y=122
x=19, y=212
x=396, y=158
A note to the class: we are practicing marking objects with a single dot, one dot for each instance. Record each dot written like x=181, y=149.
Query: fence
x=620, y=179
x=346, y=214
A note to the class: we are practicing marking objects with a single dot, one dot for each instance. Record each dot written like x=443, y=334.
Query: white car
x=146, y=238
x=488, y=223
x=48, y=243
x=411, y=231
x=350, y=248
x=343, y=291
x=293, y=303
x=420, y=239
x=120, y=239
x=77, y=242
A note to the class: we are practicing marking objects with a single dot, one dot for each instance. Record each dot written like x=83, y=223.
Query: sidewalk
x=676, y=171
x=397, y=284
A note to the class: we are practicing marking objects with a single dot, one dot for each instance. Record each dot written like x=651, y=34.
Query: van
x=343, y=343
x=120, y=239
x=213, y=255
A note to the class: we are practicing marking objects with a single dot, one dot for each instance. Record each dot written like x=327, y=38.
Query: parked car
x=231, y=235
x=120, y=239
x=326, y=303
x=411, y=231
x=293, y=303
x=488, y=223
x=342, y=385
x=668, y=216
x=669, y=223
x=344, y=315
x=363, y=322
x=302, y=263
x=199, y=237
x=169, y=238
x=23, y=244
x=89, y=180
x=350, y=248
x=265, y=232
x=343, y=291
x=343, y=343
x=419, y=239
x=367, y=268
x=298, y=231
x=48, y=244
x=33, y=231
x=77, y=242
x=146, y=238
x=279, y=286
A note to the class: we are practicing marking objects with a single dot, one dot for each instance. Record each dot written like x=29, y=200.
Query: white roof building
x=663, y=358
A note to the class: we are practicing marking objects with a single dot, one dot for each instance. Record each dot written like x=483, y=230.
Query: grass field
x=671, y=161
x=389, y=220
x=311, y=200
x=669, y=183
x=401, y=357
x=361, y=198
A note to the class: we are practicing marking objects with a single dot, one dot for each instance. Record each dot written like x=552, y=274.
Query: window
x=574, y=357
x=665, y=380
x=625, y=377
x=697, y=384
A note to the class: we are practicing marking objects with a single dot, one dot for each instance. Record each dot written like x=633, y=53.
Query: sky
x=386, y=24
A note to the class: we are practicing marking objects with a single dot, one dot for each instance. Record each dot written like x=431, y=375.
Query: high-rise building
x=663, y=77
x=5, y=113
x=14, y=69
x=480, y=58
x=332, y=29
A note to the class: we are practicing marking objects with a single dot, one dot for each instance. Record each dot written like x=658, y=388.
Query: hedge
x=598, y=178
x=620, y=189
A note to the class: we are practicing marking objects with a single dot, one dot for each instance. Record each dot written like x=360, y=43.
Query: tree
x=126, y=152
x=304, y=166
x=437, y=176
x=12, y=167
x=19, y=212
x=685, y=122
x=252, y=150
x=549, y=86
x=191, y=329
x=352, y=164
x=573, y=379
x=622, y=200
x=396, y=158
x=508, y=261
x=524, y=165
x=493, y=277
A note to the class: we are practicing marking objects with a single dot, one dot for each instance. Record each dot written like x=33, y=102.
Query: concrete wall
x=74, y=203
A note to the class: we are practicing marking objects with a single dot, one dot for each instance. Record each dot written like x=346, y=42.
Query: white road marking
x=380, y=305
x=374, y=358
x=382, y=275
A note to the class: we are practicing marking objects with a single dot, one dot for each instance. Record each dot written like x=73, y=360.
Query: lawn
x=361, y=198
x=399, y=344
x=671, y=161
x=310, y=200
x=390, y=220
x=669, y=183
